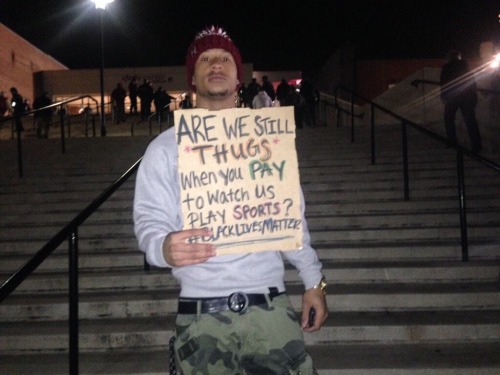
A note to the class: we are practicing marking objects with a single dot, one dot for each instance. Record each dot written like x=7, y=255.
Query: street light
x=101, y=5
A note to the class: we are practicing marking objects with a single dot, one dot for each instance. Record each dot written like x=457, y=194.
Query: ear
x=192, y=81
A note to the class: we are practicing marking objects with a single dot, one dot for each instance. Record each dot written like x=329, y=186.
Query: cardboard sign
x=238, y=176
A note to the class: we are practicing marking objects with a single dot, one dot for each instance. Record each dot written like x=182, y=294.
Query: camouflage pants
x=265, y=340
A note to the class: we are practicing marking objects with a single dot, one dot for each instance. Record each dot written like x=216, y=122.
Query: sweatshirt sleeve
x=305, y=260
x=156, y=199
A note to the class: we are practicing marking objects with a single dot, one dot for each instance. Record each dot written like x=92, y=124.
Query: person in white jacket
x=262, y=100
x=234, y=315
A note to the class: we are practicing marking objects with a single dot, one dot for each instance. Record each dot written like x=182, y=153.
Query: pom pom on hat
x=209, y=38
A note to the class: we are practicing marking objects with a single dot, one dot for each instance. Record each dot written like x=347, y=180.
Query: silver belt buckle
x=238, y=302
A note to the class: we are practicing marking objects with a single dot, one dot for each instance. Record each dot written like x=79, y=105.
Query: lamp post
x=101, y=6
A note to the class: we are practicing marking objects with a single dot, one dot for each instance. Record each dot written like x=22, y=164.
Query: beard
x=218, y=93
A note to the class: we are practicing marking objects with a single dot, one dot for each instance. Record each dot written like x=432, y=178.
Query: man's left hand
x=313, y=298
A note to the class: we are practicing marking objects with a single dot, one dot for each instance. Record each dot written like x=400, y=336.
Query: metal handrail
x=70, y=232
x=150, y=119
x=461, y=151
x=157, y=114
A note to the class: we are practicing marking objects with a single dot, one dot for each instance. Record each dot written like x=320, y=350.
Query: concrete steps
x=121, y=303
x=363, y=328
x=53, y=277
x=431, y=359
x=401, y=300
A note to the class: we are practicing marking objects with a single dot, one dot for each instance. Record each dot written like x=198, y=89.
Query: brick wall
x=19, y=60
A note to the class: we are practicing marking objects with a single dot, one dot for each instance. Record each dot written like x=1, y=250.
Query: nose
x=216, y=61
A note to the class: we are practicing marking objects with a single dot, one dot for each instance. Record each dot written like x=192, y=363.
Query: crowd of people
x=255, y=95
x=17, y=106
x=147, y=96
x=304, y=98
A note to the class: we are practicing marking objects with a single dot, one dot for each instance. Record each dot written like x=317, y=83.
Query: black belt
x=236, y=302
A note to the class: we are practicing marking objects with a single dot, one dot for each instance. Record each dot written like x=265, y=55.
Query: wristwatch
x=321, y=285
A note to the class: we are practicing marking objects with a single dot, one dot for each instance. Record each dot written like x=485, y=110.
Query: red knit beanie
x=211, y=37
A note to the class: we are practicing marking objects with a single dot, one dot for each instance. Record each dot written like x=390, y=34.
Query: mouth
x=216, y=77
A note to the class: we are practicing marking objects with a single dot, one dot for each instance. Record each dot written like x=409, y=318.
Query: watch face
x=322, y=285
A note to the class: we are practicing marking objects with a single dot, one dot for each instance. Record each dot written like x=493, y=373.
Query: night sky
x=273, y=35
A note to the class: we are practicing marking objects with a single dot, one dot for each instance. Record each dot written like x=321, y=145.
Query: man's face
x=215, y=74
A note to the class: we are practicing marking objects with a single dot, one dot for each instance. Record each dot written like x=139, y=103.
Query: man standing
x=146, y=94
x=43, y=117
x=268, y=87
x=234, y=315
x=17, y=105
x=459, y=91
x=282, y=91
x=252, y=90
x=118, y=96
x=132, y=94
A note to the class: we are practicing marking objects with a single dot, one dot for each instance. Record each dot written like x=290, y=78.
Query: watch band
x=321, y=285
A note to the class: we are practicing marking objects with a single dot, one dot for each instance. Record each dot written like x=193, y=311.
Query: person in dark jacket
x=44, y=116
x=17, y=105
x=282, y=91
x=161, y=101
x=132, y=94
x=146, y=95
x=309, y=94
x=459, y=91
x=252, y=90
x=118, y=96
x=268, y=87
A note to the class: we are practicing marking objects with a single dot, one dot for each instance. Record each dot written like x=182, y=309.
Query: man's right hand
x=179, y=252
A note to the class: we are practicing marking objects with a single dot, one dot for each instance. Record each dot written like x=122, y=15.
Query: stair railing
x=17, y=127
x=159, y=116
x=149, y=119
x=69, y=232
x=461, y=151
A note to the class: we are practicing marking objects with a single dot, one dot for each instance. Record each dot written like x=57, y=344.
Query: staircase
x=401, y=299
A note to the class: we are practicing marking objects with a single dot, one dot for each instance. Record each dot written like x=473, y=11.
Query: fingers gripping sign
x=179, y=251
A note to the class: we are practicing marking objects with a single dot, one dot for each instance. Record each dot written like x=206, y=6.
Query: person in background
x=17, y=108
x=268, y=88
x=262, y=100
x=459, y=91
x=234, y=315
x=252, y=90
x=43, y=117
x=118, y=96
x=310, y=98
x=243, y=96
x=132, y=94
x=146, y=94
x=186, y=103
x=297, y=101
x=162, y=102
x=282, y=91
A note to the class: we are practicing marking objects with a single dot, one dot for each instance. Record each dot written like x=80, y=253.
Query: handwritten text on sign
x=238, y=174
